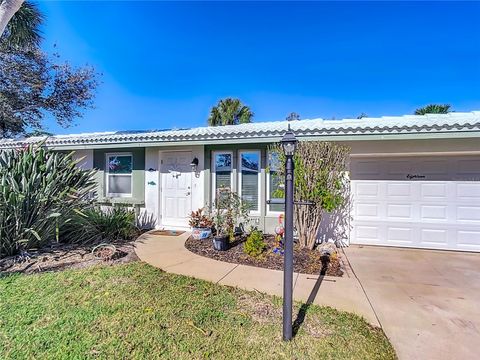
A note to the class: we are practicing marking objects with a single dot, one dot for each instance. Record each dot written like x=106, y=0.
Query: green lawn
x=137, y=311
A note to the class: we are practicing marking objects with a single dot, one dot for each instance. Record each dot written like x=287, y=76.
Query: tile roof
x=386, y=125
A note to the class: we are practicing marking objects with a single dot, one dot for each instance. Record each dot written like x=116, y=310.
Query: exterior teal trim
x=138, y=175
x=257, y=220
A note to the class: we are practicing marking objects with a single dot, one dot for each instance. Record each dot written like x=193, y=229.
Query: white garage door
x=425, y=202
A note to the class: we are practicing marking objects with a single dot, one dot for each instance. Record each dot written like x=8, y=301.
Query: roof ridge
x=458, y=121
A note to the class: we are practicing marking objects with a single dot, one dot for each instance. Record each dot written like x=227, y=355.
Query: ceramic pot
x=201, y=233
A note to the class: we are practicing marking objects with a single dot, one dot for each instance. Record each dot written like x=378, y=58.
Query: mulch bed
x=306, y=261
x=59, y=257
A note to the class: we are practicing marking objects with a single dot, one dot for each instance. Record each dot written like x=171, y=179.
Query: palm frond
x=434, y=109
x=23, y=30
x=230, y=111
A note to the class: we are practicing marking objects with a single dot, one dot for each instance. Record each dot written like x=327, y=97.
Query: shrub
x=320, y=177
x=198, y=219
x=95, y=225
x=255, y=245
x=40, y=190
x=228, y=212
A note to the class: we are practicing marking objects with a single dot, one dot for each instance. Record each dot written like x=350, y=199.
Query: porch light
x=194, y=164
x=289, y=142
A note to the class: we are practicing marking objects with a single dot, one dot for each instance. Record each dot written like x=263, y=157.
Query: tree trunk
x=8, y=8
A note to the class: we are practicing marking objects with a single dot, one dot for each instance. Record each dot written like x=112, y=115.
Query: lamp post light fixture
x=289, y=144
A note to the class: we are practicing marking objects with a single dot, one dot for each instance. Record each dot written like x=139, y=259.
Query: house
x=415, y=180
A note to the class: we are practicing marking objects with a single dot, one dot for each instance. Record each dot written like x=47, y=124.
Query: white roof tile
x=407, y=124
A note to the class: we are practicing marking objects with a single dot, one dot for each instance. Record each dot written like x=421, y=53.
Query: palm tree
x=229, y=112
x=433, y=109
x=19, y=23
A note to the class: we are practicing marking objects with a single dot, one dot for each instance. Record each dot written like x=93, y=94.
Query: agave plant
x=40, y=191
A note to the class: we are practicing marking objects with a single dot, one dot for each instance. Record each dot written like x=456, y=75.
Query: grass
x=139, y=312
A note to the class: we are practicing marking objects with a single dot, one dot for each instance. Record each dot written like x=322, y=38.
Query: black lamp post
x=289, y=144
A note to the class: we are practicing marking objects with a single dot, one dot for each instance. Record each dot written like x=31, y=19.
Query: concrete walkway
x=170, y=254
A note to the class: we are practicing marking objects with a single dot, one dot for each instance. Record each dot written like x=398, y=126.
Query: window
x=249, y=183
x=119, y=175
x=222, y=171
x=275, y=183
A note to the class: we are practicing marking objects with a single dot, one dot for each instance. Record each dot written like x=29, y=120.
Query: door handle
x=187, y=193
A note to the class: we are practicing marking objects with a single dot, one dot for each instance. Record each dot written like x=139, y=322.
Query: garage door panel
x=365, y=210
x=434, y=212
x=434, y=237
x=468, y=191
x=400, y=235
x=399, y=211
x=468, y=213
x=431, y=191
x=468, y=239
x=367, y=190
x=417, y=202
x=399, y=189
x=368, y=234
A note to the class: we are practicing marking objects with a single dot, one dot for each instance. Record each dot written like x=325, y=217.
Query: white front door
x=176, y=191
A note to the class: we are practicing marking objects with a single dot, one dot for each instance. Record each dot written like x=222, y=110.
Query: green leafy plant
x=434, y=109
x=40, y=191
x=199, y=219
x=228, y=212
x=96, y=224
x=320, y=177
x=229, y=112
x=255, y=244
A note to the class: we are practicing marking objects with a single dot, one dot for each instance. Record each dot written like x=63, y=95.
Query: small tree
x=33, y=85
x=228, y=212
x=433, y=109
x=320, y=177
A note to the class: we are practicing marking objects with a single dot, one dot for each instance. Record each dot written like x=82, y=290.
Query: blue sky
x=165, y=64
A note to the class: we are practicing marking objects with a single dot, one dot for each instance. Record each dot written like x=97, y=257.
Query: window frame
x=259, y=180
x=271, y=213
x=107, y=176
x=214, y=172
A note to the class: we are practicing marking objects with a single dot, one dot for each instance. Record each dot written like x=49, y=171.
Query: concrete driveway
x=428, y=302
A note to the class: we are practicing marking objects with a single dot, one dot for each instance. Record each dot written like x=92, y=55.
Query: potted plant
x=221, y=239
x=201, y=224
x=228, y=214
